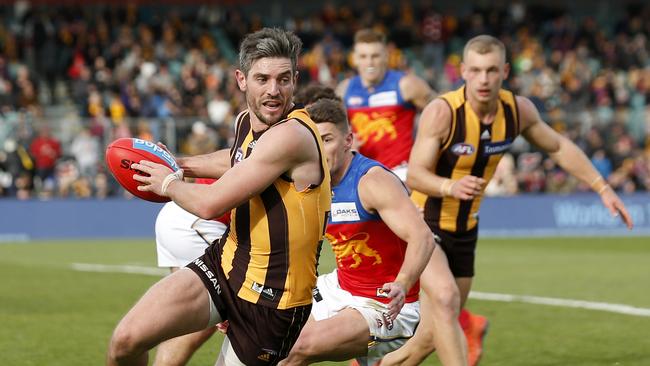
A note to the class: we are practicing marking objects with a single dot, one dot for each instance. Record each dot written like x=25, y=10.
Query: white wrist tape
x=177, y=175
x=446, y=187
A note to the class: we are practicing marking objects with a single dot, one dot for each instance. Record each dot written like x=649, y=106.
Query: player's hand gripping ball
x=121, y=153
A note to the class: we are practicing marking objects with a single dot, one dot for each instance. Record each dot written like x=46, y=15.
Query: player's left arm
x=416, y=91
x=280, y=150
x=568, y=156
x=381, y=191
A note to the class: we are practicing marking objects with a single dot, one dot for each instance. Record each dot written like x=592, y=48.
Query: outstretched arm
x=381, y=191
x=569, y=156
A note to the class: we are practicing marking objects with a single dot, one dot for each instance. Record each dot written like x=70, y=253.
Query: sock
x=463, y=319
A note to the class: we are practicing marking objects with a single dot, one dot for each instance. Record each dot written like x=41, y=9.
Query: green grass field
x=53, y=314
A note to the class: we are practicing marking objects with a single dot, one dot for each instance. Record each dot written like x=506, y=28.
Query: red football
x=121, y=153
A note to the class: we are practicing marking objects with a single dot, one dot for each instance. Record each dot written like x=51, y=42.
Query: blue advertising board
x=519, y=216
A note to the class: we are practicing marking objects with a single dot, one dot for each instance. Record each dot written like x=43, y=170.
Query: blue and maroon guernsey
x=381, y=119
x=368, y=254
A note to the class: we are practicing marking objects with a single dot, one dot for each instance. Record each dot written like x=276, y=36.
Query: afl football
x=123, y=152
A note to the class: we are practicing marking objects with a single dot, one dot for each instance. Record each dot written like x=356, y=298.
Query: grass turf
x=52, y=314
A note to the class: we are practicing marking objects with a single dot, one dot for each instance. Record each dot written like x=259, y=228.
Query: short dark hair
x=368, y=35
x=329, y=110
x=269, y=42
x=313, y=92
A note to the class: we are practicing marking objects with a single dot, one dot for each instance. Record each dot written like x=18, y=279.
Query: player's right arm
x=212, y=165
x=434, y=129
x=382, y=192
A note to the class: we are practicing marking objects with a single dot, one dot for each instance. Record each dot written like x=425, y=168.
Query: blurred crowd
x=74, y=78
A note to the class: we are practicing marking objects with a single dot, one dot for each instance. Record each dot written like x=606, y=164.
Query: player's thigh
x=178, y=304
x=346, y=332
x=437, y=276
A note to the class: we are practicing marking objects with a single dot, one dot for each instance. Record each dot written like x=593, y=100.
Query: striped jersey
x=270, y=252
x=368, y=253
x=381, y=119
x=472, y=148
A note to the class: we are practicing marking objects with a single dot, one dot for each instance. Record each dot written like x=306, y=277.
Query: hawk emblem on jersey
x=375, y=125
x=353, y=247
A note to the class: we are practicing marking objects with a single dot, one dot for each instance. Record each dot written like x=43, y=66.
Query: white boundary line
x=569, y=303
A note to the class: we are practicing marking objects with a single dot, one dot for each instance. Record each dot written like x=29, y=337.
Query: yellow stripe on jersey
x=472, y=148
x=270, y=254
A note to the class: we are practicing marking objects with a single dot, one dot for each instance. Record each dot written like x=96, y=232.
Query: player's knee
x=125, y=343
x=447, y=301
x=306, y=346
x=424, y=342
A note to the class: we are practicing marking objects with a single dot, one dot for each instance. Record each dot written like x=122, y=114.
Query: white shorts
x=182, y=237
x=400, y=171
x=384, y=338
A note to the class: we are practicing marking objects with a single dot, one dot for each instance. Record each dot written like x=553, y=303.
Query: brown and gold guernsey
x=271, y=250
x=472, y=148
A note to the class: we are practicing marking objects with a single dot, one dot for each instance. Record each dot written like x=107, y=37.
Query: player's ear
x=295, y=77
x=353, y=58
x=241, y=80
x=349, y=140
x=506, y=70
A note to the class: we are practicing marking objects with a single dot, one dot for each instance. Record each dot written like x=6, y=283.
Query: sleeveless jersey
x=381, y=119
x=270, y=252
x=368, y=254
x=472, y=148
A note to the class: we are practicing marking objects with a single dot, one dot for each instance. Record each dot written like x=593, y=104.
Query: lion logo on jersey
x=353, y=247
x=376, y=125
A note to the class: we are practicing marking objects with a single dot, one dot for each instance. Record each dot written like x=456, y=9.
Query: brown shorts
x=460, y=249
x=259, y=335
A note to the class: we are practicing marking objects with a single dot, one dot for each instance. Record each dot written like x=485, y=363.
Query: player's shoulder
x=375, y=176
x=525, y=107
x=342, y=87
x=523, y=101
x=414, y=87
x=295, y=125
x=410, y=81
x=379, y=185
x=438, y=107
x=294, y=135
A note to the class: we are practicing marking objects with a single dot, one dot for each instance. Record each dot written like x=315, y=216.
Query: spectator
x=45, y=149
x=113, y=68
x=202, y=140
x=85, y=149
x=219, y=109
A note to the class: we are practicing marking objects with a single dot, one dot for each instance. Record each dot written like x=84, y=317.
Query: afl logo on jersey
x=239, y=155
x=463, y=149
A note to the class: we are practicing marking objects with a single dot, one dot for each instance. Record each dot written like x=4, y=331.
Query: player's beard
x=257, y=105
